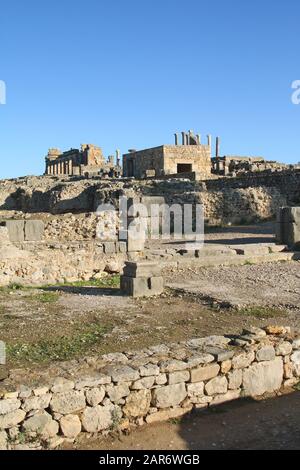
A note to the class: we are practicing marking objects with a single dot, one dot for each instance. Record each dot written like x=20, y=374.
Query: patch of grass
x=59, y=349
x=109, y=281
x=262, y=312
x=13, y=287
x=248, y=263
x=46, y=297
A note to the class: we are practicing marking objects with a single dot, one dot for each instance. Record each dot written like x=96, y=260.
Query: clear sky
x=129, y=73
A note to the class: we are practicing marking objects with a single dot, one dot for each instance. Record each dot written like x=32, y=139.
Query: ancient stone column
x=198, y=139
x=71, y=167
x=176, y=139
x=217, y=147
x=183, y=138
x=118, y=157
x=209, y=140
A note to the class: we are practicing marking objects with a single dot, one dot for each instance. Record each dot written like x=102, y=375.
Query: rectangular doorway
x=184, y=168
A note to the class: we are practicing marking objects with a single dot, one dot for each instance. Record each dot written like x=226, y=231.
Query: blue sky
x=129, y=73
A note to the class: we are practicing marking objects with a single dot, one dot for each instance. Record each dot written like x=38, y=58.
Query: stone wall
x=248, y=198
x=163, y=160
x=123, y=390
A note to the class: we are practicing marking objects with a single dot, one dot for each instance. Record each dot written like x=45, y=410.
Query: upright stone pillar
x=198, y=139
x=183, y=138
x=209, y=140
x=176, y=139
x=217, y=147
x=142, y=279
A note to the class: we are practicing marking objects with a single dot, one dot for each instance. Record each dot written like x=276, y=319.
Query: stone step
x=231, y=260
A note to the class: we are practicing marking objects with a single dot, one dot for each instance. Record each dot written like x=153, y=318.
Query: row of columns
x=188, y=136
x=60, y=167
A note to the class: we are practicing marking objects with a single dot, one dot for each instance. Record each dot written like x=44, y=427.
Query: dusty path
x=245, y=424
x=269, y=284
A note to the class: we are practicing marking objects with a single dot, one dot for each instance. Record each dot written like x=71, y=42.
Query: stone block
x=138, y=403
x=235, y=379
x=142, y=269
x=205, y=373
x=34, y=230
x=142, y=286
x=263, y=377
x=134, y=243
x=178, y=377
x=16, y=230
x=170, y=395
x=265, y=353
x=109, y=247
x=216, y=386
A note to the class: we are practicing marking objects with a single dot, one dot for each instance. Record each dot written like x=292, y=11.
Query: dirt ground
x=244, y=424
x=60, y=323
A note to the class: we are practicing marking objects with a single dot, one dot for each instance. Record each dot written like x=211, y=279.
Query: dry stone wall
x=247, y=198
x=123, y=390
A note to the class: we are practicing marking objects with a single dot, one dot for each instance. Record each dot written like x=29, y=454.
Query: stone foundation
x=123, y=390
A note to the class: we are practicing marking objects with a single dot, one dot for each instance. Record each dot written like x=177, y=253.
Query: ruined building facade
x=166, y=160
x=87, y=161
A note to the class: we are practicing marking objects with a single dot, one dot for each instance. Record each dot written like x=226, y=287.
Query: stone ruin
x=88, y=161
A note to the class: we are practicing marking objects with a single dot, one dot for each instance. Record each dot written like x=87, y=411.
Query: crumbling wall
x=122, y=390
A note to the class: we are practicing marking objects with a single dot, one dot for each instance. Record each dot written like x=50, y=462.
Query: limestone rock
x=138, y=403
x=263, y=377
x=283, y=349
x=62, y=385
x=172, y=365
x=37, y=403
x=42, y=424
x=195, y=390
x=116, y=392
x=295, y=357
x=122, y=373
x=216, y=386
x=161, y=379
x=265, y=353
x=149, y=370
x=92, y=381
x=170, y=395
x=235, y=379
x=11, y=419
x=3, y=440
x=226, y=366
x=9, y=405
x=253, y=330
x=178, y=377
x=205, y=373
x=97, y=418
x=275, y=330
x=199, y=359
x=145, y=382
x=243, y=360
x=229, y=396
x=68, y=402
x=95, y=396
x=70, y=426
